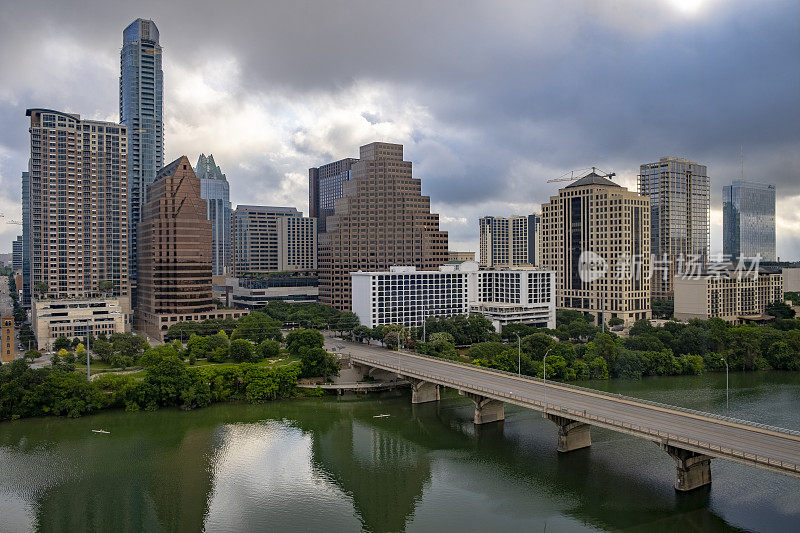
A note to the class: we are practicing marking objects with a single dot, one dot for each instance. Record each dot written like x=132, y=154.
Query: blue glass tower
x=141, y=103
x=26, y=239
x=748, y=220
x=215, y=190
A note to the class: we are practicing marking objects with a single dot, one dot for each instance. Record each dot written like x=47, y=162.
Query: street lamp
x=519, y=355
x=544, y=382
x=727, y=389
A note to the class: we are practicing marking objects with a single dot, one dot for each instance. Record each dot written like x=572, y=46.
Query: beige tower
x=594, y=221
x=381, y=220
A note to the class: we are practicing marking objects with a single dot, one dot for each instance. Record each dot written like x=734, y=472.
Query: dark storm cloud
x=513, y=93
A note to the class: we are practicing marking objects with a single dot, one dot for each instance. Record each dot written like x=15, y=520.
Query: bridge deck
x=745, y=442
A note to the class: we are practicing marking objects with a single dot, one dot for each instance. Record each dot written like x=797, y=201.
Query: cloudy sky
x=491, y=99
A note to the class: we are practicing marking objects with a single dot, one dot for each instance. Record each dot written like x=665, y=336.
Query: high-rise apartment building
x=174, y=279
x=26, y=240
x=596, y=237
x=680, y=200
x=273, y=239
x=325, y=185
x=216, y=192
x=512, y=241
x=78, y=205
x=141, y=105
x=748, y=220
x=381, y=219
x=16, y=253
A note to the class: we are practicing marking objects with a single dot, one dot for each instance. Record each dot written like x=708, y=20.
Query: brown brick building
x=175, y=259
x=381, y=220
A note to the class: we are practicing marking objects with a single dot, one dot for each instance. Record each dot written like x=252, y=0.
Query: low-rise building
x=732, y=295
x=254, y=293
x=460, y=256
x=77, y=317
x=405, y=295
x=7, y=349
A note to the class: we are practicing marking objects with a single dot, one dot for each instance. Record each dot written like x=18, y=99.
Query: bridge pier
x=487, y=410
x=423, y=391
x=572, y=435
x=693, y=469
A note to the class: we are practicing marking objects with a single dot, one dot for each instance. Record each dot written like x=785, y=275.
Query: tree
x=257, y=326
x=603, y=346
x=360, y=333
x=347, y=322
x=316, y=362
x=106, y=286
x=268, y=348
x=303, y=338
x=242, y=350
x=62, y=343
x=41, y=289
x=391, y=339
x=615, y=321
x=32, y=354
x=691, y=339
x=80, y=350
x=598, y=368
x=662, y=308
x=779, y=310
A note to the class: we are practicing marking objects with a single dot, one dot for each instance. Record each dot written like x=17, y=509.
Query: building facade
x=596, y=237
x=8, y=349
x=215, y=190
x=78, y=317
x=405, y=295
x=680, y=200
x=254, y=293
x=25, y=298
x=734, y=296
x=512, y=241
x=325, y=185
x=460, y=256
x=78, y=209
x=382, y=219
x=16, y=254
x=174, y=278
x=141, y=110
x=273, y=239
x=748, y=220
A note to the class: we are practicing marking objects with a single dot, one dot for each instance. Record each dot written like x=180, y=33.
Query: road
x=745, y=442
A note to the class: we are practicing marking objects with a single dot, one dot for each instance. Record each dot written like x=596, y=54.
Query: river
x=330, y=465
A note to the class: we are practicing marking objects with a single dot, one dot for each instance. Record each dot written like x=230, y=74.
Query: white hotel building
x=405, y=295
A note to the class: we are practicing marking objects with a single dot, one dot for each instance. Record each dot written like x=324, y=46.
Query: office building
x=596, y=237
x=216, y=192
x=730, y=294
x=382, y=219
x=511, y=241
x=748, y=220
x=77, y=317
x=256, y=292
x=174, y=278
x=25, y=286
x=325, y=185
x=16, y=254
x=78, y=208
x=460, y=256
x=405, y=295
x=273, y=239
x=141, y=108
x=8, y=349
x=680, y=200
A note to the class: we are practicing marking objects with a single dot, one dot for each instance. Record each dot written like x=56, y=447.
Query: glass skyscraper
x=141, y=103
x=748, y=220
x=26, y=239
x=680, y=200
x=215, y=190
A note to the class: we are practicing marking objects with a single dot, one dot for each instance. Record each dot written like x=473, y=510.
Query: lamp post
x=727, y=389
x=544, y=381
x=519, y=355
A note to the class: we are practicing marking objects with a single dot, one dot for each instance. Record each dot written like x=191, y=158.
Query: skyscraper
x=381, y=220
x=748, y=220
x=141, y=102
x=509, y=241
x=680, y=200
x=325, y=185
x=16, y=253
x=26, y=239
x=273, y=239
x=215, y=190
x=596, y=237
x=78, y=205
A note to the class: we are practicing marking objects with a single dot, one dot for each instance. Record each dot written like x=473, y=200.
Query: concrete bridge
x=691, y=438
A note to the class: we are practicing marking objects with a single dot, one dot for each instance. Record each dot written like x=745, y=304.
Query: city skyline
x=215, y=95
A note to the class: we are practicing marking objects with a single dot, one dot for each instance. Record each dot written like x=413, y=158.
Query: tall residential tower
x=141, y=109
x=216, y=192
x=748, y=220
x=512, y=241
x=680, y=200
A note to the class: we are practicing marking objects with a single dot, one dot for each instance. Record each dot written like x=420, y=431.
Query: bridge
x=691, y=438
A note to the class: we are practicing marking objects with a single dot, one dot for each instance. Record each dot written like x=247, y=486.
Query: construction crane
x=572, y=176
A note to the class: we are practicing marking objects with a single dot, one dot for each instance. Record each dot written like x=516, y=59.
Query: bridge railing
x=567, y=412
x=612, y=395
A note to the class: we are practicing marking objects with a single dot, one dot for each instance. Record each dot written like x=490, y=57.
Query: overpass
x=691, y=438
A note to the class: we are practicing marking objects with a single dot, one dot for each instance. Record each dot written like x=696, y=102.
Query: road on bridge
x=745, y=442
